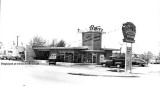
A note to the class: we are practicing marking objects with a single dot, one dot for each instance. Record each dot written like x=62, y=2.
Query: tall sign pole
x=129, y=32
x=131, y=57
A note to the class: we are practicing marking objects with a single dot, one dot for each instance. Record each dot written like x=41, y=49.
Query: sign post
x=128, y=59
x=129, y=31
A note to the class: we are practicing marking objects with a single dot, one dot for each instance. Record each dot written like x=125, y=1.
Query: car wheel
x=104, y=65
x=118, y=65
x=142, y=65
x=123, y=66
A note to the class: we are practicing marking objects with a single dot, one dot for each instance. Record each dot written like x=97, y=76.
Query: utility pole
x=121, y=47
x=17, y=41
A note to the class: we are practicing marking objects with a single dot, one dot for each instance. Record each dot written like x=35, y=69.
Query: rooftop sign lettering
x=95, y=28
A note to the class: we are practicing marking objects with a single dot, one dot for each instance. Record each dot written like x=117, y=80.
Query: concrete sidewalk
x=45, y=62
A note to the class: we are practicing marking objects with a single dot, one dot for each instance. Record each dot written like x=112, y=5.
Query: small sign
x=102, y=58
x=129, y=31
x=53, y=56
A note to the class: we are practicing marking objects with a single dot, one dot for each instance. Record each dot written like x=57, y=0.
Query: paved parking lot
x=75, y=75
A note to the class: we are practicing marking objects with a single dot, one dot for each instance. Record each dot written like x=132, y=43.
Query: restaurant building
x=89, y=52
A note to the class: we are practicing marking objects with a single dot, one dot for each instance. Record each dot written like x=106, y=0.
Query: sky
x=60, y=19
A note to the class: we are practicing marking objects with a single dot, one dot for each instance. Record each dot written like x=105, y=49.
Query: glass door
x=94, y=58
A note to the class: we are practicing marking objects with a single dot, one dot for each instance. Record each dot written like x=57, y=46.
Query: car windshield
x=141, y=60
x=152, y=60
x=9, y=51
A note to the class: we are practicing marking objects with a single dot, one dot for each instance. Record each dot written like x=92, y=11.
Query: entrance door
x=94, y=58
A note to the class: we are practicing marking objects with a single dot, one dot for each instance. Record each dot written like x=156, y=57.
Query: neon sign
x=129, y=32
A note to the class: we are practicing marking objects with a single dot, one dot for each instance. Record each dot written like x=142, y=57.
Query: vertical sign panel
x=87, y=40
x=97, y=41
x=102, y=58
x=92, y=40
x=128, y=59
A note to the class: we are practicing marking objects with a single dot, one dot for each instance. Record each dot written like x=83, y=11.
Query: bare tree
x=37, y=41
x=61, y=43
x=53, y=44
x=147, y=56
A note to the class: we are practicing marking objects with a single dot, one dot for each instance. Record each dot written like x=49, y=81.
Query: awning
x=60, y=48
x=92, y=50
x=111, y=49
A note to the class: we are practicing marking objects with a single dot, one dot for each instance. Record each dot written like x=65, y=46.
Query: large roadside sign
x=129, y=32
x=128, y=59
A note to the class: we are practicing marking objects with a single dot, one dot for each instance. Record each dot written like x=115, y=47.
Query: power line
x=113, y=31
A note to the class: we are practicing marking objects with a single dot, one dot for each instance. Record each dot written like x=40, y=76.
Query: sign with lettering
x=92, y=39
x=53, y=56
x=102, y=58
x=128, y=58
x=129, y=31
x=96, y=28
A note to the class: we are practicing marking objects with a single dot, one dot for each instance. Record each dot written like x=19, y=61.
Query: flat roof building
x=89, y=52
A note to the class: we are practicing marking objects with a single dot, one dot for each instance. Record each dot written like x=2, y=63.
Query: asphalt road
x=18, y=74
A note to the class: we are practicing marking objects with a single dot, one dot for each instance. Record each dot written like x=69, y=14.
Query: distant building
x=11, y=51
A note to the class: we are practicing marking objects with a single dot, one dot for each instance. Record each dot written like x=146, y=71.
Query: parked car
x=52, y=59
x=120, y=61
x=2, y=56
x=157, y=61
x=138, y=61
x=115, y=61
x=152, y=61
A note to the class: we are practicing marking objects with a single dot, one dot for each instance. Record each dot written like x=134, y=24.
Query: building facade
x=90, y=51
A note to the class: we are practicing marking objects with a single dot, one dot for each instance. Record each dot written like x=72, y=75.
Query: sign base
x=129, y=41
